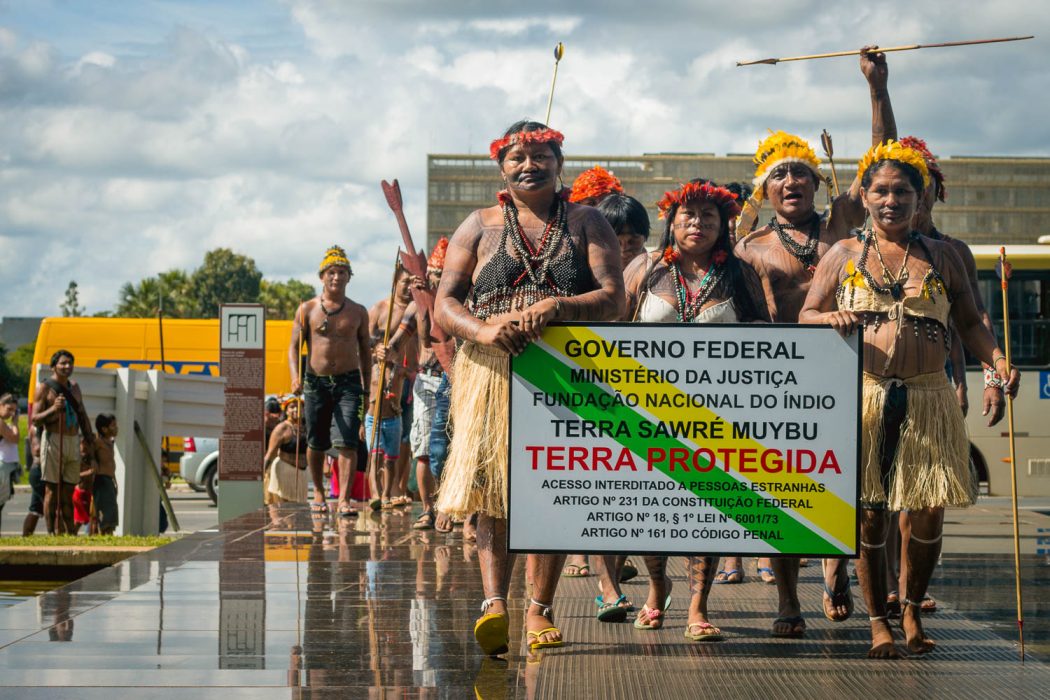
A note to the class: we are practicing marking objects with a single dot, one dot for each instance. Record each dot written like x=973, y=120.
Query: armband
x=992, y=380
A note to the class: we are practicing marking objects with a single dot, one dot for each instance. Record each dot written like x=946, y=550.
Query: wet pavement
x=278, y=604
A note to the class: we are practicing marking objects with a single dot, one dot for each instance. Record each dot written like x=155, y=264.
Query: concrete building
x=16, y=331
x=996, y=200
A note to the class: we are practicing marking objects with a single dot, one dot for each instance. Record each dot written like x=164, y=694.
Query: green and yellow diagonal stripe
x=826, y=528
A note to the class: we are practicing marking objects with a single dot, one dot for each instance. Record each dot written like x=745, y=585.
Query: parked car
x=200, y=465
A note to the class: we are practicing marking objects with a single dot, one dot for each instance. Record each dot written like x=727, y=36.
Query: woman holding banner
x=900, y=290
x=511, y=269
x=692, y=277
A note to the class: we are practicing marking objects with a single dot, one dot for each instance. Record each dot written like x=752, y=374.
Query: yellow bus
x=1029, y=307
x=191, y=346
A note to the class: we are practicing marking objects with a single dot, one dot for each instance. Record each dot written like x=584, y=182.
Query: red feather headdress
x=704, y=192
x=524, y=137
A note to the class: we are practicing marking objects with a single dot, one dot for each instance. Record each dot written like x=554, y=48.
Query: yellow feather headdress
x=335, y=256
x=894, y=150
x=781, y=147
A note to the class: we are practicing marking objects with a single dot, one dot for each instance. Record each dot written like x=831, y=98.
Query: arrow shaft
x=907, y=47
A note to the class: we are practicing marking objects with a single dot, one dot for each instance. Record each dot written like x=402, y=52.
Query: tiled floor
x=374, y=609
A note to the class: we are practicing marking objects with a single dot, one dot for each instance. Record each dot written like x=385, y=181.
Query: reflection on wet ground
x=277, y=604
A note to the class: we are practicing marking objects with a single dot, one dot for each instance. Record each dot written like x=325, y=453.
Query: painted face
x=334, y=278
x=891, y=200
x=531, y=167
x=631, y=244
x=790, y=188
x=696, y=226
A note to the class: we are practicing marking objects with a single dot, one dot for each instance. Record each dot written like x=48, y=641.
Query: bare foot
x=882, y=646
x=917, y=641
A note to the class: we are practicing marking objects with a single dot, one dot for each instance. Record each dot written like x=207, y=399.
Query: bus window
x=1028, y=297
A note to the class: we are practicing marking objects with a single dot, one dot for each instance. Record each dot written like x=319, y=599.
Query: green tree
x=142, y=300
x=71, y=306
x=281, y=299
x=21, y=363
x=10, y=378
x=225, y=277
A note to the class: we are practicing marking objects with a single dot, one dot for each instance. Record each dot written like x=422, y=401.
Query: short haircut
x=622, y=210
x=8, y=398
x=273, y=405
x=59, y=354
x=104, y=420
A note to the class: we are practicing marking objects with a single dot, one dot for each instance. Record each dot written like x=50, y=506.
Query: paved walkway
x=374, y=609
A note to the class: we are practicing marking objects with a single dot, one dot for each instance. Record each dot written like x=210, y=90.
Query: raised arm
x=848, y=208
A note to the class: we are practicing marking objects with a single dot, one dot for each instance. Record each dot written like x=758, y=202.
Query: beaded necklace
x=688, y=303
x=895, y=288
x=537, y=260
x=805, y=254
x=323, y=328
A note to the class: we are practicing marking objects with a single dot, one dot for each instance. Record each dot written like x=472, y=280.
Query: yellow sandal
x=545, y=611
x=492, y=630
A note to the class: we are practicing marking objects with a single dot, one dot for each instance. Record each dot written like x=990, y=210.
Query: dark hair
x=8, y=398
x=742, y=191
x=272, y=405
x=910, y=172
x=621, y=210
x=734, y=280
x=526, y=125
x=59, y=354
x=104, y=420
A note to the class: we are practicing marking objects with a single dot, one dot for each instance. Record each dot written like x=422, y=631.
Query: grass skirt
x=285, y=483
x=931, y=467
x=475, y=476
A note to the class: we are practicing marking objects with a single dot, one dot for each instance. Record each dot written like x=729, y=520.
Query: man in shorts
x=59, y=407
x=335, y=330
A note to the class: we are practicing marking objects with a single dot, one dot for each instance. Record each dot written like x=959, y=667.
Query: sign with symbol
x=242, y=360
x=1044, y=384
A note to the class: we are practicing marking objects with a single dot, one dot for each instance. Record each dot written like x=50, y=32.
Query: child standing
x=388, y=436
x=105, y=487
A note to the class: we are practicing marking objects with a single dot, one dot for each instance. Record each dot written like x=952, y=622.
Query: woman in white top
x=692, y=277
x=9, y=464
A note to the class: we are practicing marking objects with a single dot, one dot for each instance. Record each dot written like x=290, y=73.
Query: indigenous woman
x=900, y=290
x=285, y=460
x=693, y=277
x=510, y=270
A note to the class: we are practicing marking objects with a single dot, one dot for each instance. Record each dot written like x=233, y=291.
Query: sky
x=138, y=135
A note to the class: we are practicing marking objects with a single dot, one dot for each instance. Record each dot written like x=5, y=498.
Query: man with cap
x=785, y=253
x=335, y=330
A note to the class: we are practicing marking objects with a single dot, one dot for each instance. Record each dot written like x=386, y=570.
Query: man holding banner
x=532, y=259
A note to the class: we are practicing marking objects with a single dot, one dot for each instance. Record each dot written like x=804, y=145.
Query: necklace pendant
x=897, y=291
x=811, y=269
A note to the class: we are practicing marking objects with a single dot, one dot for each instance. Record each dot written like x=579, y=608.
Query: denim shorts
x=328, y=397
x=389, y=436
x=439, y=436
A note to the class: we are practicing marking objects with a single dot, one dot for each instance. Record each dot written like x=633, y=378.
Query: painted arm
x=634, y=283
x=820, y=305
x=755, y=288
x=406, y=330
x=977, y=339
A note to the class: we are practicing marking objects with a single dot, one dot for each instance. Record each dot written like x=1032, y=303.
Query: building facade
x=995, y=200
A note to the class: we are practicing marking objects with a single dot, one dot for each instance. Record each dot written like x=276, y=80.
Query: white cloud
x=140, y=154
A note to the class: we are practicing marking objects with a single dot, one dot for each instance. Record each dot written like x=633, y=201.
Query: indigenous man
x=338, y=356
x=900, y=290
x=59, y=408
x=429, y=379
x=533, y=259
x=785, y=253
x=377, y=316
